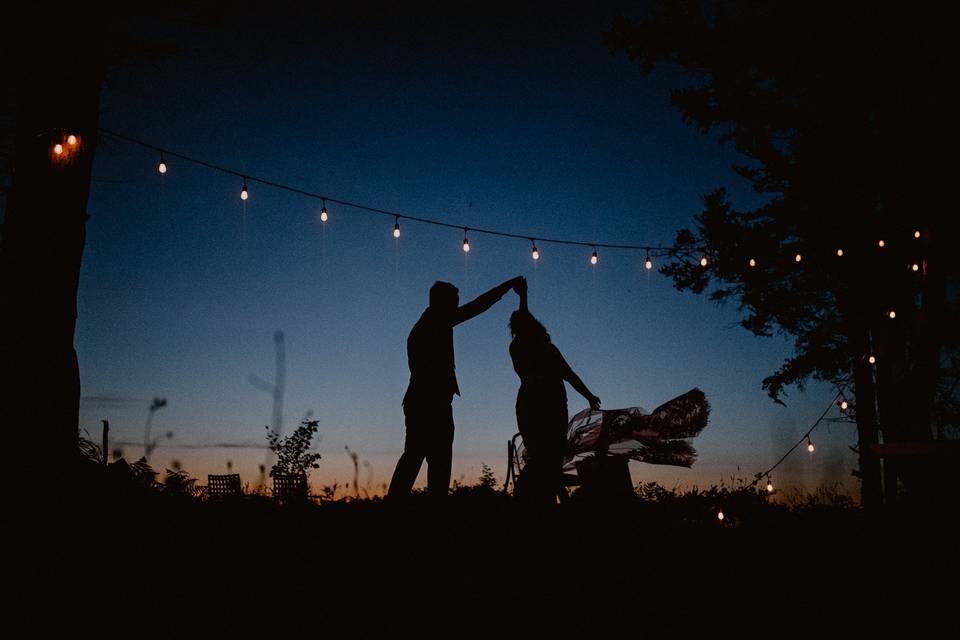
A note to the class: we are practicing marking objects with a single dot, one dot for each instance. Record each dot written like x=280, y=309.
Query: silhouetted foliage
x=839, y=115
x=293, y=452
x=178, y=482
x=90, y=451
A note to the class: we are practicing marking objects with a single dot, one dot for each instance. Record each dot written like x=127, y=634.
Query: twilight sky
x=518, y=120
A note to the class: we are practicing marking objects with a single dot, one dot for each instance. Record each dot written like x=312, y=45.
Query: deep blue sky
x=518, y=121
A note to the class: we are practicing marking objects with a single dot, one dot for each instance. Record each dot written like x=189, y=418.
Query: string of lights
x=246, y=179
x=649, y=250
x=838, y=400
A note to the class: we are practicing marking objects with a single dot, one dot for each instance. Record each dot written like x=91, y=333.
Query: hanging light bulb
x=881, y=244
x=648, y=263
x=720, y=515
x=72, y=140
x=872, y=360
x=892, y=314
x=244, y=194
x=466, y=243
x=396, y=227
x=915, y=267
x=534, y=253
x=703, y=261
x=162, y=167
x=797, y=258
x=810, y=446
x=916, y=234
x=594, y=257
x=324, y=216
x=844, y=405
x=839, y=253
x=58, y=148
x=752, y=262
x=769, y=484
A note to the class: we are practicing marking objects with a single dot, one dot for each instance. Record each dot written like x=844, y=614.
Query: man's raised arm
x=484, y=301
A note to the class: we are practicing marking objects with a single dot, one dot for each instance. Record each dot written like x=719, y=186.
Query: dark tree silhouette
x=57, y=92
x=841, y=114
x=60, y=55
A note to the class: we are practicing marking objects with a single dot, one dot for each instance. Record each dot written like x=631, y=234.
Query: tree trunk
x=57, y=95
x=867, y=433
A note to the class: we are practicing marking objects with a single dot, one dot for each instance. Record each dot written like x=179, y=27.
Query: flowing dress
x=541, y=415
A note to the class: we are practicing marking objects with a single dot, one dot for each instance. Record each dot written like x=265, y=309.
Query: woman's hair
x=524, y=325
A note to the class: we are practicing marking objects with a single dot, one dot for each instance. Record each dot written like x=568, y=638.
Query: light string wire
x=759, y=476
x=650, y=250
x=657, y=250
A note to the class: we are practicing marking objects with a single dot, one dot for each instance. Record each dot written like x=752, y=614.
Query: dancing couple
x=428, y=402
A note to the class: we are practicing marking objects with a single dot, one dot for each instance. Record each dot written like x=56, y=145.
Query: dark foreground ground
x=658, y=556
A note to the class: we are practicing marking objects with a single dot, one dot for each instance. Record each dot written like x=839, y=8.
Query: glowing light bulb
x=648, y=264
x=881, y=244
x=892, y=314
x=769, y=486
x=324, y=216
x=844, y=405
x=720, y=516
x=396, y=230
x=72, y=140
x=594, y=257
x=872, y=360
x=915, y=267
x=798, y=258
x=162, y=167
x=534, y=253
x=810, y=446
x=839, y=253
x=703, y=261
x=244, y=194
x=916, y=234
x=466, y=245
x=753, y=262
x=58, y=148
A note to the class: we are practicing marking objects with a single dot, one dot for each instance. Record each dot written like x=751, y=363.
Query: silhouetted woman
x=541, y=404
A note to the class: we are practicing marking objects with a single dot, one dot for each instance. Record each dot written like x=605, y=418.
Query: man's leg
x=414, y=451
x=440, y=453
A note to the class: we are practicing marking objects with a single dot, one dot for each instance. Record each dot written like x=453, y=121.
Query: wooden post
x=106, y=432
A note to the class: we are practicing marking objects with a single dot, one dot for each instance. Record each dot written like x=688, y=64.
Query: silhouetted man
x=428, y=403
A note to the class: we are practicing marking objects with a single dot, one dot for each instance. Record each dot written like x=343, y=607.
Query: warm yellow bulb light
x=892, y=314
x=648, y=264
x=703, y=261
x=798, y=258
x=872, y=360
x=396, y=230
x=58, y=148
x=594, y=258
x=72, y=140
x=881, y=244
x=534, y=253
x=839, y=253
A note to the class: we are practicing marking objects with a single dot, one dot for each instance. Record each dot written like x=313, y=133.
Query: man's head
x=444, y=296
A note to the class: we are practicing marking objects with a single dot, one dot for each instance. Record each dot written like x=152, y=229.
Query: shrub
x=293, y=452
